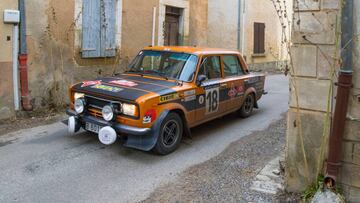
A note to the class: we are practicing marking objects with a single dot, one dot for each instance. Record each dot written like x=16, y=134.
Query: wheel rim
x=170, y=133
x=248, y=105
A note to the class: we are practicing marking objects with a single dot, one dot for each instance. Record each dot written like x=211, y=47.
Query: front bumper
x=138, y=138
x=119, y=128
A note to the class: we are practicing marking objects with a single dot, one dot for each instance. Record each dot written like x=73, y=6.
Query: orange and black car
x=165, y=92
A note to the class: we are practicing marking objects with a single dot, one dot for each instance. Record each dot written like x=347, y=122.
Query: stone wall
x=314, y=53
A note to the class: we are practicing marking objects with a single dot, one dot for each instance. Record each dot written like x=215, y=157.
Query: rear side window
x=232, y=66
x=211, y=67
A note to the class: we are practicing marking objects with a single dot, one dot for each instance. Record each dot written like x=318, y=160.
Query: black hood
x=125, y=87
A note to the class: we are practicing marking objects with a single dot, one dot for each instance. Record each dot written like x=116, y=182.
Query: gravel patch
x=228, y=176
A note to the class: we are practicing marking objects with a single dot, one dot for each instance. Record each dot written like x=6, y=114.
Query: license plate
x=92, y=127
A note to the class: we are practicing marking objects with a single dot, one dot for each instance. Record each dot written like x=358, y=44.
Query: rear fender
x=251, y=90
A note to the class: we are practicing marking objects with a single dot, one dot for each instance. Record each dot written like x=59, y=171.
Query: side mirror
x=200, y=79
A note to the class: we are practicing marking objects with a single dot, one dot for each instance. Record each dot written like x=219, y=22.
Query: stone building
x=315, y=54
x=73, y=40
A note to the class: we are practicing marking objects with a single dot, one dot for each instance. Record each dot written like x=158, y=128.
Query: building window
x=98, y=28
x=259, y=38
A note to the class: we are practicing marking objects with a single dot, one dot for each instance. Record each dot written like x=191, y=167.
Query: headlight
x=79, y=105
x=129, y=109
x=78, y=95
x=108, y=113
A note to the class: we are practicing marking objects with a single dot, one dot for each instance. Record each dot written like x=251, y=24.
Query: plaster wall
x=6, y=82
x=223, y=24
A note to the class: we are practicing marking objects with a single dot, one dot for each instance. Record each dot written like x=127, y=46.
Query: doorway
x=172, y=36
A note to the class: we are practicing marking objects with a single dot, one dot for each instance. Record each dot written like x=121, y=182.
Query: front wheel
x=170, y=134
x=248, y=106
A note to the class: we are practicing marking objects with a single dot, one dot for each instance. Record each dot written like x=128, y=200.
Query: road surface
x=43, y=164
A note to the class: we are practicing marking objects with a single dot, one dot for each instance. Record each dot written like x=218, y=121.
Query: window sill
x=258, y=55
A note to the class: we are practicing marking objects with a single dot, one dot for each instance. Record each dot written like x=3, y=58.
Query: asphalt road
x=43, y=164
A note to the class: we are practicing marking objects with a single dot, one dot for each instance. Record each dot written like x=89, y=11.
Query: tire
x=168, y=140
x=248, y=106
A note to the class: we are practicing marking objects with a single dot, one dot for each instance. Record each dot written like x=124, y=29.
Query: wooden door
x=172, y=23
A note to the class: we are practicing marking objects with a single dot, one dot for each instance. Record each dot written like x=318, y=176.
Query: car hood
x=125, y=87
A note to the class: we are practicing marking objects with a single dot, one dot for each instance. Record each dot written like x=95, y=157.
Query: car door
x=210, y=94
x=234, y=75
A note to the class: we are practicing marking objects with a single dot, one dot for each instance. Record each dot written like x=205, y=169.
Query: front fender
x=148, y=141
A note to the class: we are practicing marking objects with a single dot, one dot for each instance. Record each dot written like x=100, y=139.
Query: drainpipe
x=343, y=91
x=239, y=26
x=25, y=97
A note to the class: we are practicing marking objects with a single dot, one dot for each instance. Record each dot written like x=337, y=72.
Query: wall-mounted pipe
x=16, y=66
x=24, y=84
x=153, y=27
x=343, y=92
x=239, y=25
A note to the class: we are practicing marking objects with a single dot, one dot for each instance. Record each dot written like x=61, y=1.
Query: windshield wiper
x=135, y=72
x=155, y=72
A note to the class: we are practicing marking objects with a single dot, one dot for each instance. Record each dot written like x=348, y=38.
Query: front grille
x=95, y=105
x=94, y=112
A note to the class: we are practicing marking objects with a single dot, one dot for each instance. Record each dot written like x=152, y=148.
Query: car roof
x=192, y=50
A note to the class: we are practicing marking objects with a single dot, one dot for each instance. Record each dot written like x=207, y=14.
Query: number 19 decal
x=212, y=100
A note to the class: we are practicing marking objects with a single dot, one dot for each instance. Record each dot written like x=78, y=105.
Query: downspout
x=239, y=26
x=343, y=91
x=24, y=84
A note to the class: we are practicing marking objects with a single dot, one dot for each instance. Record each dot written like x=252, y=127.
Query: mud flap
x=148, y=141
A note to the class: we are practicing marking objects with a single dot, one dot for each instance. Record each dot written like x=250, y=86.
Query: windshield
x=178, y=66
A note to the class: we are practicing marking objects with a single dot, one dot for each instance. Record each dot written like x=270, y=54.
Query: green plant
x=311, y=190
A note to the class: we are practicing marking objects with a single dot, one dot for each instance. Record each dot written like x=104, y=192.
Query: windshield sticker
x=124, y=83
x=168, y=97
x=90, y=83
x=179, y=57
x=107, y=88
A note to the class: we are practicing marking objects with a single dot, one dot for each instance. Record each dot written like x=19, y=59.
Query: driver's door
x=211, y=93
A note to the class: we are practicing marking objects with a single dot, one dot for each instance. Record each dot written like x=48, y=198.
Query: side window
x=232, y=66
x=98, y=28
x=211, y=67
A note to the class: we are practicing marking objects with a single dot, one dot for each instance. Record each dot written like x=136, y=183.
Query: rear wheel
x=170, y=134
x=248, y=106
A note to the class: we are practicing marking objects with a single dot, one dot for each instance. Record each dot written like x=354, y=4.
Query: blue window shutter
x=91, y=29
x=108, y=28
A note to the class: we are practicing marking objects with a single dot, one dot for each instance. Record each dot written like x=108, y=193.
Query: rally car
x=165, y=92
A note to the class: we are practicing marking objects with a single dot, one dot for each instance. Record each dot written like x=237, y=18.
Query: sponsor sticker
x=90, y=83
x=201, y=99
x=168, y=97
x=235, y=91
x=149, y=116
x=124, y=83
x=107, y=88
x=190, y=98
x=189, y=93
